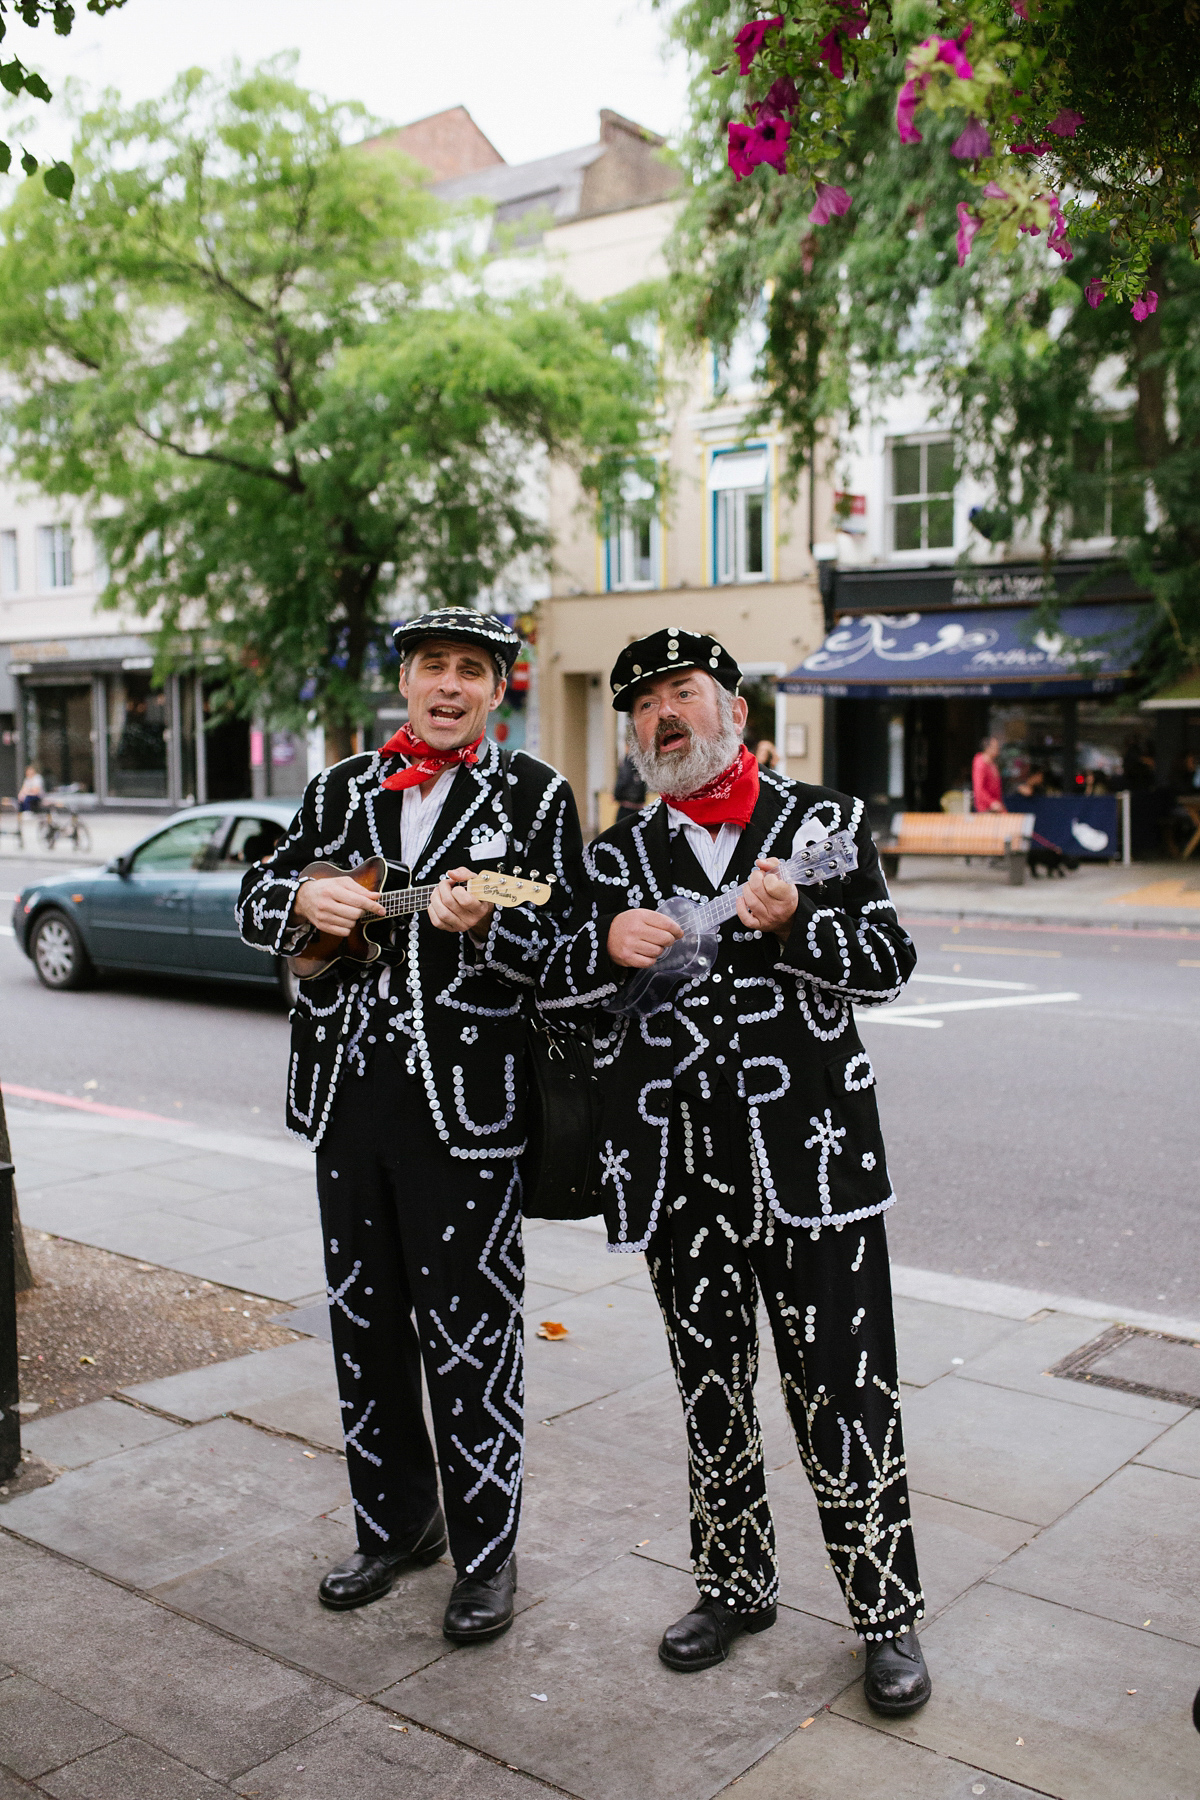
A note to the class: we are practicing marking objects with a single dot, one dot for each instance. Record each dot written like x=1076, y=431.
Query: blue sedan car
x=165, y=907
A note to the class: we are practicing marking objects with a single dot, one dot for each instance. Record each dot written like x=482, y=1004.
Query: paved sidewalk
x=110, y=832
x=1143, y=896
x=160, y=1637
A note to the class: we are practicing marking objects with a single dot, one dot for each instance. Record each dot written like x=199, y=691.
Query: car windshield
x=181, y=847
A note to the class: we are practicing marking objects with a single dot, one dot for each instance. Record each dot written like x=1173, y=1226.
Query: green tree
x=1036, y=381
x=256, y=352
x=16, y=79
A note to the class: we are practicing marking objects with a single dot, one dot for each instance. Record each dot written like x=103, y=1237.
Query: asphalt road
x=1050, y=1143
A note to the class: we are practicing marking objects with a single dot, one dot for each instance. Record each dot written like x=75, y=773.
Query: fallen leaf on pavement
x=1131, y=1690
x=550, y=1328
x=88, y=1359
x=538, y=1696
x=1020, y=1740
x=311, y=1455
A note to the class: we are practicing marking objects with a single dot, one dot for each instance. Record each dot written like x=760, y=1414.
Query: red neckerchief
x=728, y=799
x=424, y=760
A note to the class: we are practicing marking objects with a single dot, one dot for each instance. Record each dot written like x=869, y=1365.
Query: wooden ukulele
x=324, y=949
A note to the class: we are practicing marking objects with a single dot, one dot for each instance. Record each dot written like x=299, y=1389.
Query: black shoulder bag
x=558, y=1169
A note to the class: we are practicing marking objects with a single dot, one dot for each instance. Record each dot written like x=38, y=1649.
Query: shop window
x=56, y=556
x=137, y=737
x=58, y=736
x=10, y=568
x=922, y=495
x=1108, y=495
x=741, y=502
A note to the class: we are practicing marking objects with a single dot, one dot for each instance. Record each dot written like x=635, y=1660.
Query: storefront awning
x=978, y=650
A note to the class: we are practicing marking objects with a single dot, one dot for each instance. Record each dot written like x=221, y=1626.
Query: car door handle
x=174, y=897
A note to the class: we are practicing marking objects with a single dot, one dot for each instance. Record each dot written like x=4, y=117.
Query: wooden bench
x=960, y=834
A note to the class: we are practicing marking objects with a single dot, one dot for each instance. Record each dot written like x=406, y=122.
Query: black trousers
x=830, y=1306
x=425, y=1265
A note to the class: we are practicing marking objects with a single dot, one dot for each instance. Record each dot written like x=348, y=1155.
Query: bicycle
x=63, y=822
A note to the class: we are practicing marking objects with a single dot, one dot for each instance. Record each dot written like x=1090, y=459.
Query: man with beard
x=740, y=1149
x=408, y=1077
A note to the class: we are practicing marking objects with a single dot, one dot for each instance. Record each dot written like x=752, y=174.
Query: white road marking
x=7, y=931
x=967, y=981
x=912, y=1015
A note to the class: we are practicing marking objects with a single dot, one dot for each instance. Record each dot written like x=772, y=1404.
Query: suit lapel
x=766, y=834
x=468, y=798
x=651, y=859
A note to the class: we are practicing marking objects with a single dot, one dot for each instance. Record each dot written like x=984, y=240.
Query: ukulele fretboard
x=398, y=901
x=821, y=863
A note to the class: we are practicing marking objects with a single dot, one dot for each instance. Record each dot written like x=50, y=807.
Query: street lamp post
x=10, y=1418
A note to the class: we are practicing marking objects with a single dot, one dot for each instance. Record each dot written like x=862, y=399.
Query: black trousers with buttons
x=425, y=1268
x=716, y=1248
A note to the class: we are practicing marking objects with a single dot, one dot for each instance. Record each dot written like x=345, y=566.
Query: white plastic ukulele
x=695, y=952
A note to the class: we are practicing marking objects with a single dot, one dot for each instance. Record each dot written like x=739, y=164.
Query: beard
x=679, y=773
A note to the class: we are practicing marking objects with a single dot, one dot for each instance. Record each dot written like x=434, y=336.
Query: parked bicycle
x=55, y=822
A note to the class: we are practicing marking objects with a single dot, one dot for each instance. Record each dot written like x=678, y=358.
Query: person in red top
x=986, y=786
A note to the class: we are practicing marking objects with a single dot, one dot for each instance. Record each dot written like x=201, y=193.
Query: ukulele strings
x=713, y=913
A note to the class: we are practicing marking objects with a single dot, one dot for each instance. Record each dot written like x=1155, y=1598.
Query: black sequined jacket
x=783, y=1015
x=454, y=1010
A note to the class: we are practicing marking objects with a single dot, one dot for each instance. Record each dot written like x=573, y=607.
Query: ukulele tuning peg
x=534, y=876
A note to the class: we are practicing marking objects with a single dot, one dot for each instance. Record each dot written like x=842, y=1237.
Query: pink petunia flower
x=907, y=102
x=749, y=40
x=1094, y=292
x=1029, y=149
x=1058, y=240
x=830, y=200
x=950, y=50
x=993, y=191
x=852, y=25
x=1066, y=123
x=974, y=141
x=968, y=225
x=1021, y=9
x=768, y=142
x=830, y=47
x=782, y=97
x=1144, y=306
x=739, y=162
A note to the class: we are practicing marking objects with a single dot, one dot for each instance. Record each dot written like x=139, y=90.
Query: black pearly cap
x=661, y=654
x=465, y=623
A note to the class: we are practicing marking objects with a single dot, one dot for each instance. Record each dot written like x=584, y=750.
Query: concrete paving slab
x=90, y=1152
x=13, y=1789
x=288, y=1267
x=267, y=1595
x=228, y=1174
x=642, y=1421
x=370, y=1755
x=563, y=1256
x=40, y=1171
x=39, y=1729
x=312, y=1319
x=261, y=1212
x=614, y=1723
x=1177, y=1449
x=956, y=1547
x=161, y=1509
x=617, y=1338
x=153, y=1237
x=585, y=1505
x=1006, y=1668
x=85, y=1434
x=932, y=1339
x=1021, y=1361
x=641, y=1281
x=134, y=1189
x=1010, y=1452
x=1129, y=1552
x=130, y=1770
x=834, y=1758
x=239, y=1382
x=311, y=1413
x=216, y=1705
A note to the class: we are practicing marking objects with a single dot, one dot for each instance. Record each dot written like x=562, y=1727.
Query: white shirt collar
x=713, y=854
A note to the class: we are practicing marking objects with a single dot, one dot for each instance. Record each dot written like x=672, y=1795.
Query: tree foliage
x=1068, y=114
x=16, y=79
x=257, y=353
x=1007, y=350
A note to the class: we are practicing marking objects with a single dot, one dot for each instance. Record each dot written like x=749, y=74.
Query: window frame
x=10, y=541
x=620, y=548
x=729, y=512
x=921, y=498
x=55, y=556
x=1108, y=481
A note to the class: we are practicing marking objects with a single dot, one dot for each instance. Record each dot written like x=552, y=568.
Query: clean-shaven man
x=408, y=1076
x=740, y=1149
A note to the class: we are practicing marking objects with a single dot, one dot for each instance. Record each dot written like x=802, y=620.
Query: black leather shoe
x=363, y=1578
x=897, y=1680
x=702, y=1638
x=481, y=1607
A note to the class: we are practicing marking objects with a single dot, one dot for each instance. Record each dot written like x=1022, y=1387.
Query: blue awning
x=978, y=651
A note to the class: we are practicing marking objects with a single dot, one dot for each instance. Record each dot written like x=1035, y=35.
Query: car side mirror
x=121, y=865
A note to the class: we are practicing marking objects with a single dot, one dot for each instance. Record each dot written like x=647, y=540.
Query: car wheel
x=58, y=953
x=289, y=984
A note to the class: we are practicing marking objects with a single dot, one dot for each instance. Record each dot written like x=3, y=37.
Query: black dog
x=1043, y=854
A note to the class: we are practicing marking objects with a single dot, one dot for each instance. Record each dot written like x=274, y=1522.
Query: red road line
x=92, y=1106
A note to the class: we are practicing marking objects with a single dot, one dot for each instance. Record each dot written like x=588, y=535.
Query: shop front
x=102, y=731
x=920, y=665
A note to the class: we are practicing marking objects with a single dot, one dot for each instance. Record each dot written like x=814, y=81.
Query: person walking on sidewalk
x=408, y=1076
x=740, y=1149
x=987, y=787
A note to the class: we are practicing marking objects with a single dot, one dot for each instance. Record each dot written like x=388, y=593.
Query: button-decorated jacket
x=454, y=1010
x=798, y=1061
